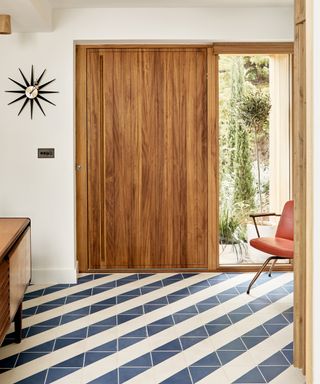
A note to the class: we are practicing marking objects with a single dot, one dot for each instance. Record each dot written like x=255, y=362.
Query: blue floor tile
x=253, y=376
x=134, y=311
x=213, y=329
x=38, y=378
x=151, y=307
x=110, y=321
x=226, y=356
x=35, y=330
x=276, y=359
x=9, y=362
x=29, y=311
x=273, y=328
x=110, y=346
x=235, y=317
x=258, y=331
x=124, y=318
x=288, y=354
x=242, y=309
x=142, y=361
x=61, y=343
x=198, y=373
x=25, y=357
x=182, y=377
x=45, y=308
x=178, y=318
x=159, y=356
x=33, y=295
x=103, y=288
x=80, y=311
x=153, y=329
x=211, y=360
x=210, y=301
x=234, y=345
x=109, y=378
x=86, y=292
x=269, y=373
x=93, y=330
x=92, y=357
x=253, y=340
x=182, y=292
x=224, y=298
x=54, y=322
x=168, y=320
x=203, y=283
x=220, y=320
x=97, y=308
x=161, y=300
x=140, y=332
x=74, y=362
x=78, y=334
x=198, y=332
x=100, y=275
x=145, y=290
x=174, y=298
x=197, y=289
x=125, y=342
x=188, y=342
x=192, y=309
x=57, y=373
x=127, y=373
x=173, y=345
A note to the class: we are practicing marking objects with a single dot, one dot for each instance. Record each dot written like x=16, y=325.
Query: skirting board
x=54, y=276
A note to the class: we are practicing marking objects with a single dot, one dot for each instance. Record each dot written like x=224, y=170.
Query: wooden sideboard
x=15, y=272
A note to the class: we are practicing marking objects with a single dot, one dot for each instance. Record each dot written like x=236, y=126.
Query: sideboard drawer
x=4, y=298
x=19, y=260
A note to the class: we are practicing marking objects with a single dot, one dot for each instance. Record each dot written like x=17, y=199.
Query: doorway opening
x=254, y=108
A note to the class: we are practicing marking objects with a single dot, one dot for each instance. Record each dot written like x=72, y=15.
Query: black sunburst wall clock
x=32, y=91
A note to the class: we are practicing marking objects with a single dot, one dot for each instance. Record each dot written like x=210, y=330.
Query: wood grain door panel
x=147, y=158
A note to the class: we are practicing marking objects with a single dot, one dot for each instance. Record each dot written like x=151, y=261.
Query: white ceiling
x=36, y=15
x=167, y=3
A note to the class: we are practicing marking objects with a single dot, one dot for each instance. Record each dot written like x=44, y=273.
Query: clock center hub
x=31, y=92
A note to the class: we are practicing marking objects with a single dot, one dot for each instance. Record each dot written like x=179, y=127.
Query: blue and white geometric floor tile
x=155, y=328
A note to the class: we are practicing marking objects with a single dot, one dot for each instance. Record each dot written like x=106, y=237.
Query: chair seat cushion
x=274, y=246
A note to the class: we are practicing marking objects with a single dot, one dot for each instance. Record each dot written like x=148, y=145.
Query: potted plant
x=232, y=242
x=254, y=110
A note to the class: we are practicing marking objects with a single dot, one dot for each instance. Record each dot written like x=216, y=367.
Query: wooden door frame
x=213, y=50
x=81, y=154
x=251, y=48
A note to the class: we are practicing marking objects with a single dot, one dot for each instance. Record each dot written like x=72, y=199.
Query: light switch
x=45, y=153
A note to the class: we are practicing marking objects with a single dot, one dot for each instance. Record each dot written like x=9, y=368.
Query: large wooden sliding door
x=142, y=151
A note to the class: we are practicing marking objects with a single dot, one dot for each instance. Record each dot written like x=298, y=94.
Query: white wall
x=44, y=189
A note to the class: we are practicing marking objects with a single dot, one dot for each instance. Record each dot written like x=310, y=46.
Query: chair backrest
x=285, y=226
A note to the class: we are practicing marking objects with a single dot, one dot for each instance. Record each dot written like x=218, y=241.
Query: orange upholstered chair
x=280, y=246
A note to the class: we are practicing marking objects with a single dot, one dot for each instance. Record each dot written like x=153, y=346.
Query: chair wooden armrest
x=255, y=215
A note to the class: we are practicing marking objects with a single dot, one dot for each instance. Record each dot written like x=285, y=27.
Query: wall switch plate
x=45, y=153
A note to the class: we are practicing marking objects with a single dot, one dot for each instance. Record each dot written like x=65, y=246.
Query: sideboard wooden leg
x=18, y=325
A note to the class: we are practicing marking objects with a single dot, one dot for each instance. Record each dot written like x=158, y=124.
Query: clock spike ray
x=19, y=98
x=24, y=78
x=39, y=105
x=20, y=85
x=24, y=104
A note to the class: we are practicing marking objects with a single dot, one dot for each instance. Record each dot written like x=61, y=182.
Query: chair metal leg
x=259, y=273
x=271, y=267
